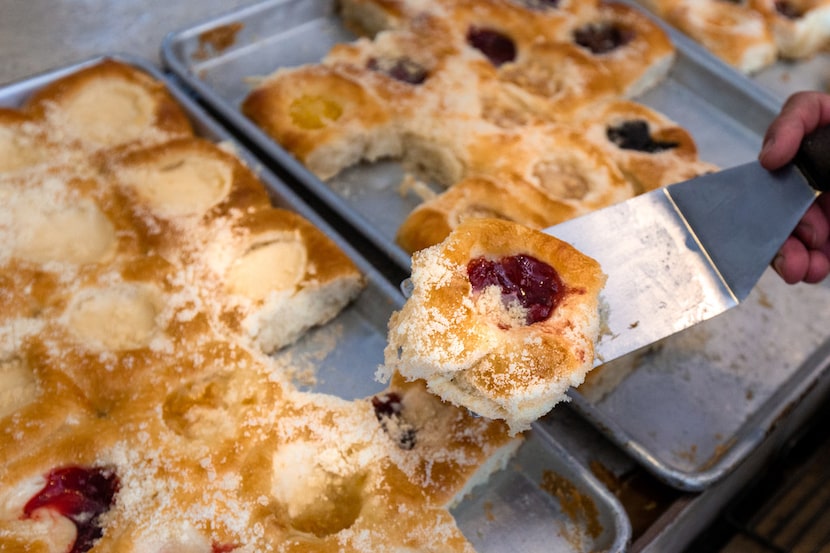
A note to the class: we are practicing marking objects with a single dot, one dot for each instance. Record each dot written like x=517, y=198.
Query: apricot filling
x=534, y=284
x=314, y=112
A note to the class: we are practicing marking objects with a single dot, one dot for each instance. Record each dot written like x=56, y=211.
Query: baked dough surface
x=486, y=102
x=752, y=34
x=145, y=279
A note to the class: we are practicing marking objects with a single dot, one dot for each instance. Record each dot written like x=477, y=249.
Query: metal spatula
x=679, y=255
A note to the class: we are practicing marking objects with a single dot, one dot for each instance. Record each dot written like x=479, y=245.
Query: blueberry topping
x=539, y=5
x=388, y=408
x=634, y=135
x=788, y=9
x=601, y=38
x=497, y=47
x=401, y=69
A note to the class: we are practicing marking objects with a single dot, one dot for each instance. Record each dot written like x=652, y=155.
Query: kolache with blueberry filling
x=536, y=175
x=650, y=149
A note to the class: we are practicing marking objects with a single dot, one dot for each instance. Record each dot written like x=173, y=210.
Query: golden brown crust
x=435, y=423
x=753, y=34
x=557, y=160
x=471, y=350
x=426, y=41
x=285, y=276
x=369, y=17
x=508, y=63
x=110, y=104
x=478, y=197
x=513, y=19
x=802, y=32
x=640, y=53
x=325, y=119
x=142, y=285
x=564, y=74
x=736, y=33
x=208, y=181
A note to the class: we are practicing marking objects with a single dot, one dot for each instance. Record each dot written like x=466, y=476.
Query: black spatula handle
x=813, y=158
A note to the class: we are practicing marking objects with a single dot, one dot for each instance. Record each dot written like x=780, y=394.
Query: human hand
x=805, y=256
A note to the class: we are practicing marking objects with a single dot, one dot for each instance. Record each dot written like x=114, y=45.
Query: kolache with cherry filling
x=502, y=320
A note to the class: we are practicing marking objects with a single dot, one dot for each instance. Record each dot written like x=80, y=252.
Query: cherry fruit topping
x=80, y=494
x=523, y=278
x=634, y=135
x=497, y=47
x=787, y=9
x=401, y=69
x=601, y=38
x=388, y=408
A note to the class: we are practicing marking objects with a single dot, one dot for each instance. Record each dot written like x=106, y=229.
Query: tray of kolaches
x=188, y=357
x=409, y=119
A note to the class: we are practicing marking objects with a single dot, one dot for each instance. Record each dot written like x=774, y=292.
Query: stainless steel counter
x=36, y=35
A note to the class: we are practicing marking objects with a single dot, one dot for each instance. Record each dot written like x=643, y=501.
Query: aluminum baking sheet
x=689, y=416
x=783, y=78
x=543, y=501
x=724, y=111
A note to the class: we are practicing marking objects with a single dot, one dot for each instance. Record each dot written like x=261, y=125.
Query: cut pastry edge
x=286, y=315
x=287, y=277
x=470, y=448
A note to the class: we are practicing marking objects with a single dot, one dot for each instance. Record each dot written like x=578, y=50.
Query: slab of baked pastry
x=145, y=277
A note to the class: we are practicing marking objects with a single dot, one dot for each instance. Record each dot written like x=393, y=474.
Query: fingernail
x=807, y=234
x=778, y=263
x=767, y=146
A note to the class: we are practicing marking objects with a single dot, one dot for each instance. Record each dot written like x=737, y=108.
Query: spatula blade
x=685, y=253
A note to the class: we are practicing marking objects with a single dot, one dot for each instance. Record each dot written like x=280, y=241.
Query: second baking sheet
x=340, y=357
x=676, y=416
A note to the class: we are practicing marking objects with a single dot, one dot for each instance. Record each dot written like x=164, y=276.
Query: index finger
x=802, y=113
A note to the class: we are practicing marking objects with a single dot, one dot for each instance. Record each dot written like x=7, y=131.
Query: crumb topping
x=147, y=280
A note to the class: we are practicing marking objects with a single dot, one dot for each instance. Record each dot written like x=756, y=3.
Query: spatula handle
x=813, y=158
